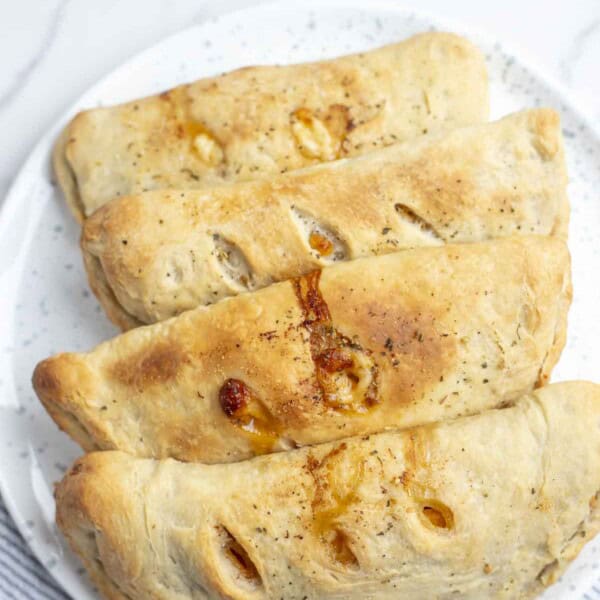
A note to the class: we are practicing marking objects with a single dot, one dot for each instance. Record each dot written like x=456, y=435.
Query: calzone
x=258, y=121
x=154, y=255
x=491, y=506
x=363, y=346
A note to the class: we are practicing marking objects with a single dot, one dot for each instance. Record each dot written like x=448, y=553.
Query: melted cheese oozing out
x=349, y=387
x=313, y=137
x=320, y=243
x=208, y=149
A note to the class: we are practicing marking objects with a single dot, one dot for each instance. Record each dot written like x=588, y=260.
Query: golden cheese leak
x=203, y=143
x=335, y=492
x=248, y=413
x=320, y=243
x=346, y=374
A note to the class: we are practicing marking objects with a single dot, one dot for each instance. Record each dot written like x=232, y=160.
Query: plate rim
x=20, y=181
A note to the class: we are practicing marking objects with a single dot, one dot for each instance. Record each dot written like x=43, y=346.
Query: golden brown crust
x=491, y=506
x=56, y=375
x=154, y=255
x=386, y=342
x=65, y=176
x=101, y=288
x=258, y=121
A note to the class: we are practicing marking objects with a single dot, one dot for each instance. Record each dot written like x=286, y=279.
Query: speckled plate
x=45, y=303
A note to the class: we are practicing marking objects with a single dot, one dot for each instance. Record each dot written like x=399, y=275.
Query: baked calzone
x=491, y=506
x=154, y=255
x=258, y=121
x=363, y=346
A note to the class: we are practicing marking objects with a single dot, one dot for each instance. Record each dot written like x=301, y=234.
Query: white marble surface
x=52, y=50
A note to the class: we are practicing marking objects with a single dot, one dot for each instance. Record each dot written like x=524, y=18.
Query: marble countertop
x=52, y=51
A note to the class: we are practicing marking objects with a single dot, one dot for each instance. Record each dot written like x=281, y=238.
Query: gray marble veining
x=577, y=49
x=22, y=76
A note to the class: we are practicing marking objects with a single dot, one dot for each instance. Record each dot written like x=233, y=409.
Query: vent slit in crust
x=237, y=562
x=408, y=214
x=437, y=514
x=324, y=244
x=233, y=263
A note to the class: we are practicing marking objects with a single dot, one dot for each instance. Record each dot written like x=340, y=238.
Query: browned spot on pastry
x=410, y=332
x=45, y=380
x=59, y=380
x=311, y=463
x=339, y=122
x=248, y=413
x=406, y=478
x=408, y=338
x=452, y=188
x=238, y=557
x=346, y=374
x=336, y=490
x=78, y=467
x=154, y=365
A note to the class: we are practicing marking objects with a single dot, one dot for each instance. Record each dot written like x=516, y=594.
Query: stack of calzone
x=345, y=293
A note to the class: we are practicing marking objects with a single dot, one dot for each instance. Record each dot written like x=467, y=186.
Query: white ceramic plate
x=45, y=304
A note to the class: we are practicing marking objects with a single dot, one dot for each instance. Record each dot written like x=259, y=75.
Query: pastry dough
x=258, y=121
x=492, y=506
x=372, y=344
x=154, y=255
